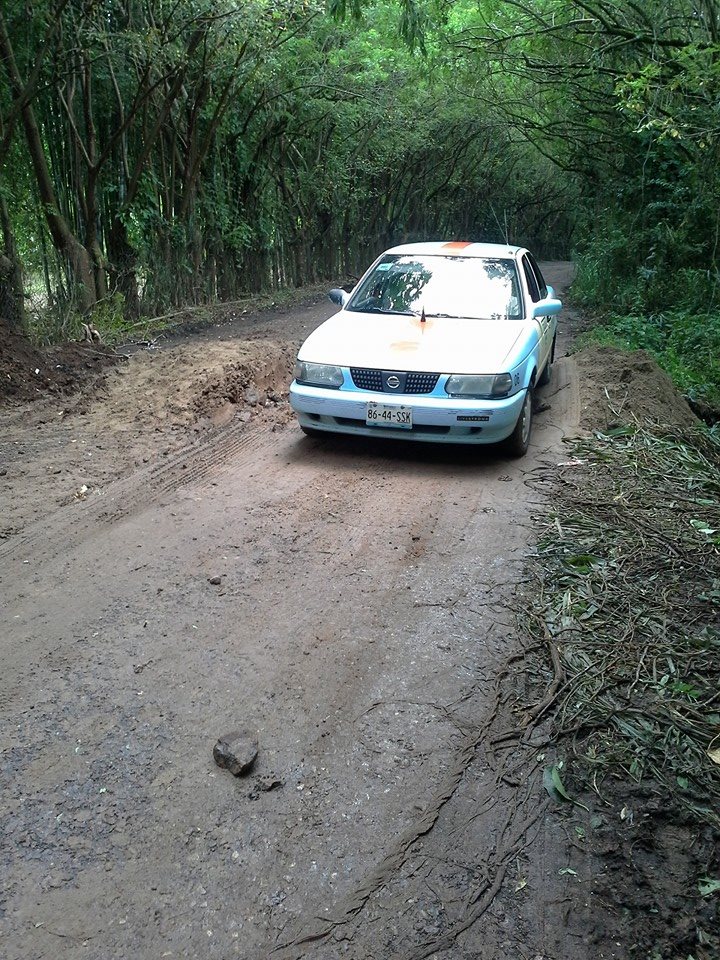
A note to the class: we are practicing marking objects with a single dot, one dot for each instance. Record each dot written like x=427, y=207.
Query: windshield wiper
x=396, y=313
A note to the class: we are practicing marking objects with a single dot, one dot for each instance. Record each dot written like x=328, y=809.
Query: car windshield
x=441, y=286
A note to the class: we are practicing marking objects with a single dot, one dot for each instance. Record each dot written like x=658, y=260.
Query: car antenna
x=423, y=318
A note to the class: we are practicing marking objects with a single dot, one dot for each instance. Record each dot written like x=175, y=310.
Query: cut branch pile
x=628, y=602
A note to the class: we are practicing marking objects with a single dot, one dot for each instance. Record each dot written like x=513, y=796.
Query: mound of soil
x=30, y=373
x=80, y=441
x=182, y=385
x=261, y=375
x=622, y=387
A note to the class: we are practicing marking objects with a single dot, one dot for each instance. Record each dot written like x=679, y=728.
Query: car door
x=538, y=291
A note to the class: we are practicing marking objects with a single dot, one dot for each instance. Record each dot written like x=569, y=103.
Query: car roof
x=457, y=247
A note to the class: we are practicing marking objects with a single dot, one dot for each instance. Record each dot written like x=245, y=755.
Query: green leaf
x=552, y=782
x=702, y=527
x=582, y=562
x=708, y=885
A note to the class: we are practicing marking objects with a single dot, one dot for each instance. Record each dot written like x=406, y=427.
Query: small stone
x=236, y=752
x=269, y=782
x=215, y=581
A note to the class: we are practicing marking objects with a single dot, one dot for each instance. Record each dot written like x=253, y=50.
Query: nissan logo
x=393, y=382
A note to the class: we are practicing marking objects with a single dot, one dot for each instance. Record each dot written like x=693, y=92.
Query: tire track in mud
x=309, y=511
x=416, y=519
x=499, y=810
x=238, y=442
x=193, y=463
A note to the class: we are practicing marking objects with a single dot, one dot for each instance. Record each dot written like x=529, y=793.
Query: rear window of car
x=441, y=286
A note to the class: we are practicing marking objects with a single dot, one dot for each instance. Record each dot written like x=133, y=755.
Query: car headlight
x=486, y=386
x=318, y=374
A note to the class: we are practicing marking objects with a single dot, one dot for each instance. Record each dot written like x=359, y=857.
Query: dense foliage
x=160, y=154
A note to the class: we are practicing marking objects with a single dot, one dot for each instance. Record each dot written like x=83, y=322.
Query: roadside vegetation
x=633, y=614
x=675, y=317
x=625, y=599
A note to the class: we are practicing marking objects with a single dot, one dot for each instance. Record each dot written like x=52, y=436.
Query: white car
x=443, y=342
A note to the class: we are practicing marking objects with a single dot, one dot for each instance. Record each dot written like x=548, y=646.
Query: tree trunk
x=123, y=267
x=63, y=238
x=12, y=294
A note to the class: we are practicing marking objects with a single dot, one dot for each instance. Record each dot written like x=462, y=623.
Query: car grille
x=366, y=379
x=414, y=382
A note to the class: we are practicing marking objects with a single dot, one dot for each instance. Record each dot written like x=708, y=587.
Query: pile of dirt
x=30, y=373
x=628, y=387
x=257, y=379
x=181, y=385
x=75, y=444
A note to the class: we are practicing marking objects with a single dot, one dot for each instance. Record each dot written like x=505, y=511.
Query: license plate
x=388, y=415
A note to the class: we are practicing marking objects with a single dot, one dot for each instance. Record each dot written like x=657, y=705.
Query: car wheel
x=310, y=431
x=546, y=375
x=519, y=440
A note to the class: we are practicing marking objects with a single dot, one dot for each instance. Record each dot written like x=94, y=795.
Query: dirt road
x=360, y=620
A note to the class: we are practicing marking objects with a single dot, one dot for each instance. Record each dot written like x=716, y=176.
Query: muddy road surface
x=350, y=603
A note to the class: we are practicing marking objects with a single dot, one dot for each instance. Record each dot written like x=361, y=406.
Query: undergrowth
x=227, y=310
x=48, y=327
x=686, y=346
x=628, y=581
x=673, y=313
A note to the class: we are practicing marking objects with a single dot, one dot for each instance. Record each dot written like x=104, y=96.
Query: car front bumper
x=435, y=419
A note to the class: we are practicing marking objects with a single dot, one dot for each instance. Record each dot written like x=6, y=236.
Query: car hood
x=440, y=345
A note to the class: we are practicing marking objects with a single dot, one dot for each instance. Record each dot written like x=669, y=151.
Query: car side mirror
x=547, y=307
x=340, y=297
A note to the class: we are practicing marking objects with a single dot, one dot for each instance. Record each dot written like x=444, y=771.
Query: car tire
x=311, y=431
x=518, y=442
x=546, y=376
